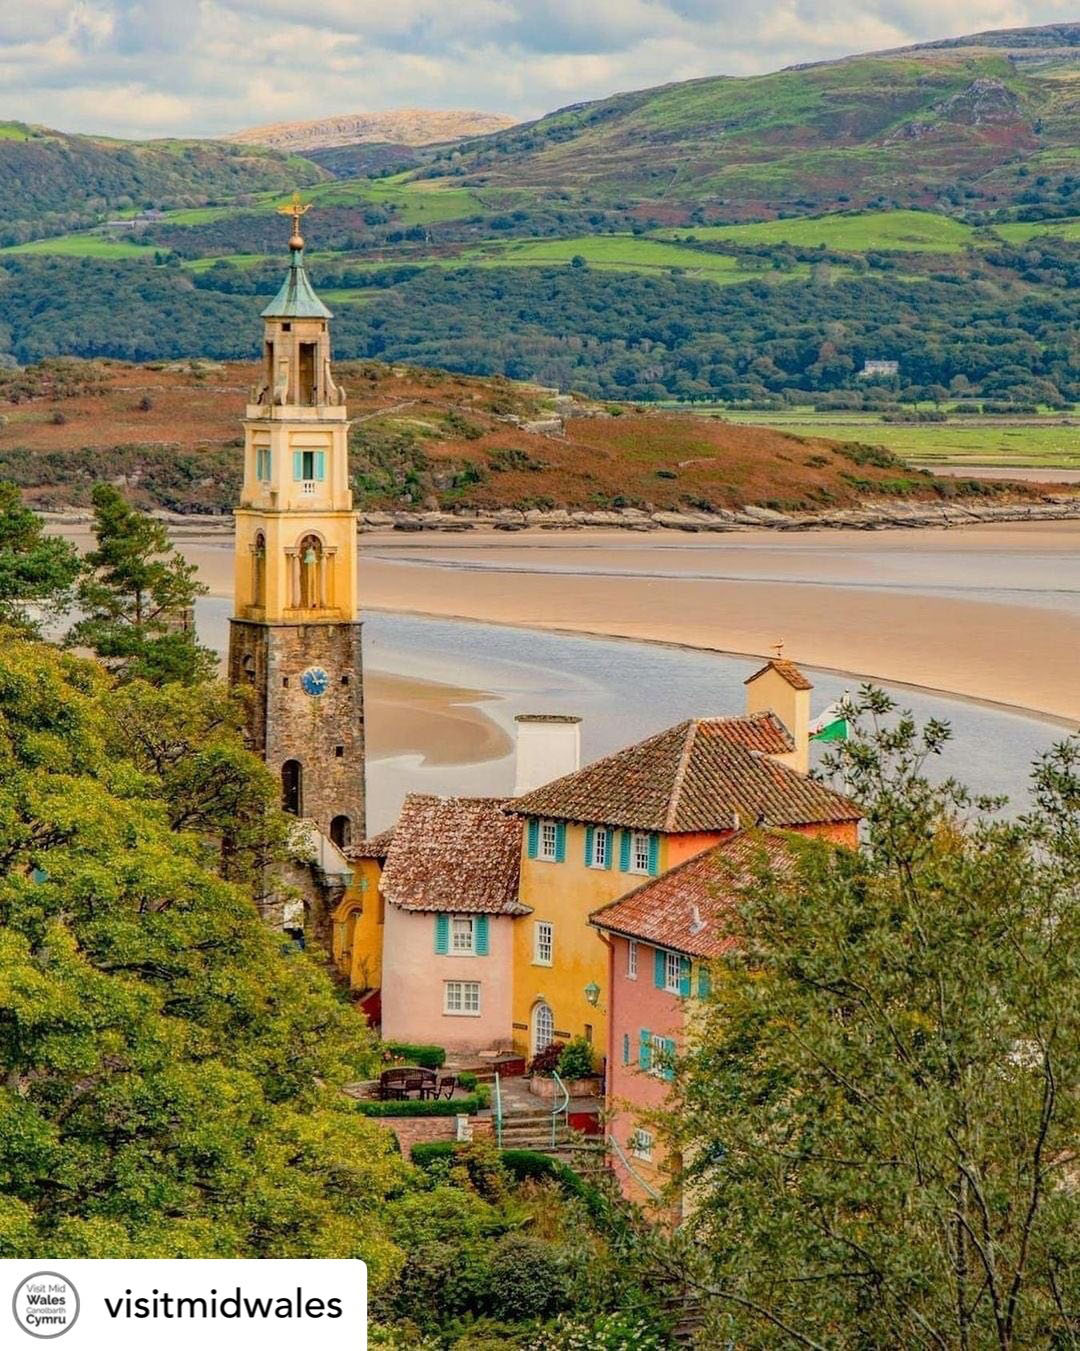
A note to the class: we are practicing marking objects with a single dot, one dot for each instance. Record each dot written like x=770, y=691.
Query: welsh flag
x=830, y=724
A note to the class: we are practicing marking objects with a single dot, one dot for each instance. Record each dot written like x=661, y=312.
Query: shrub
x=526, y=1279
x=429, y=1107
x=441, y=1279
x=429, y=1057
x=576, y=1060
x=422, y=1155
x=467, y=1081
x=548, y=1059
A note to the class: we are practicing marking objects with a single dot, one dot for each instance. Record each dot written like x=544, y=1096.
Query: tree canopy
x=37, y=574
x=170, y=1077
x=879, y=1112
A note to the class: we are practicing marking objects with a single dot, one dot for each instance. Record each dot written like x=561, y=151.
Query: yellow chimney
x=781, y=688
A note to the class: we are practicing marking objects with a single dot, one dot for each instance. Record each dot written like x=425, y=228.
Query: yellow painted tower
x=295, y=635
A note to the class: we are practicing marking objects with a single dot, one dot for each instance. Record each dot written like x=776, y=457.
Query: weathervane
x=779, y=649
x=295, y=208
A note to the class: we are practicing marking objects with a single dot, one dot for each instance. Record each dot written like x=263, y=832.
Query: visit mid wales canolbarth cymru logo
x=45, y=1304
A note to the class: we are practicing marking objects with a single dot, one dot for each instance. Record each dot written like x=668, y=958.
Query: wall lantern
x=592, y=993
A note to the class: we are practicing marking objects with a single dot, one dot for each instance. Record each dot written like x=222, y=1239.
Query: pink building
x=450, y=887
x=661, y=939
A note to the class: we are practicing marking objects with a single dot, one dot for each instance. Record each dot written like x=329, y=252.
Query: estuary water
x=625, y=690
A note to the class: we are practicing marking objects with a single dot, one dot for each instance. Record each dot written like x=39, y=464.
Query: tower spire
x=295, y=208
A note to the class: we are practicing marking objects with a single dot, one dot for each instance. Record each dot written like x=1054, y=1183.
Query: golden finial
x=295, y=208
x=778, y=648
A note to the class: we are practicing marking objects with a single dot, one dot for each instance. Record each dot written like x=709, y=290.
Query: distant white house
x=872, y=368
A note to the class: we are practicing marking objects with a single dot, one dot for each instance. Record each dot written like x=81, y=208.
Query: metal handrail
x=562, y=1107
x=498, y=1112
x=630, y=1168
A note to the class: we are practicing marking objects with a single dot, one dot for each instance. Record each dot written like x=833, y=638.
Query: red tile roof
x=703, y=775
x=690, y=908
x=787, y=669
x=459, y=854
x=376, y=846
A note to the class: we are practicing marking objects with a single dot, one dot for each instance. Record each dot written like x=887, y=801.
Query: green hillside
x=52, y=182
x=961, y=125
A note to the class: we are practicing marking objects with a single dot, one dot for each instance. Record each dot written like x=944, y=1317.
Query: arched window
x=543, y=1028
x=258, y=571
x=311, y=573
x=292, y=787
x=341, y=831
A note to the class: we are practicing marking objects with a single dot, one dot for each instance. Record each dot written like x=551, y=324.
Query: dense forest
x=1008, y=335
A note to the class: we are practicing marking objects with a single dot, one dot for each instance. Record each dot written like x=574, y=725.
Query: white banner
x=165, y=1304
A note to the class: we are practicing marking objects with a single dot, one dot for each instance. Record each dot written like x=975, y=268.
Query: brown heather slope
x=171, y=435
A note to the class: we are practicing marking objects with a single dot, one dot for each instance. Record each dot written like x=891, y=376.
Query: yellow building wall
x=358, y=928
x=565, y=894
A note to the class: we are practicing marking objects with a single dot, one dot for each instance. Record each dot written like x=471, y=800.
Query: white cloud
x=197, y=67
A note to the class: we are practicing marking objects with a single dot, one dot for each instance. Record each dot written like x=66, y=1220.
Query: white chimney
x=548, y=746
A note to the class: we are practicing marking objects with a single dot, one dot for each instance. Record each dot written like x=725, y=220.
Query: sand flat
x=988, y=612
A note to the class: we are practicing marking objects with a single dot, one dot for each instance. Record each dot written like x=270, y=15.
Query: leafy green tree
x=879, y=1113
x=137, y=596
x=37, y=574
x=170, y=1079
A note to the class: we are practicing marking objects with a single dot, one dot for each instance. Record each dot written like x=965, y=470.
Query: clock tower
x=294, y=639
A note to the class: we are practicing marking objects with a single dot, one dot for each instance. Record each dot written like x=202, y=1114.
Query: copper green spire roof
x=296, y=299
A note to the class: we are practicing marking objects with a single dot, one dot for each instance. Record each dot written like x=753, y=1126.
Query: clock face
x=315, y=681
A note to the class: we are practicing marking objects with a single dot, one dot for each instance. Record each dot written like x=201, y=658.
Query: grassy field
x=1040, y=443
x=1022, y=231
x=84, y=246
x=622, y=253
x=423, y=203
x=907, y=231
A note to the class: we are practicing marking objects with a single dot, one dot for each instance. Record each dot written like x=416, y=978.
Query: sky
x=205, y=67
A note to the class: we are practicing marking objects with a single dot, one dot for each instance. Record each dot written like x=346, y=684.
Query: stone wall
x=424, y=1130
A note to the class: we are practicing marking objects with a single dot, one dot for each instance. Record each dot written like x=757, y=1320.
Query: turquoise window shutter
x=654, y=854
x=659, y=968
x=645, y=1049
x=320, y=466
x=442, y=933
x=298, y=465
x=610, y=848
x=704, y=984
x=626, y=1048
x=534, y=837
x=669, y=1059
x=481, y=935
x=560, y=842
x=624, y=852
x=684, y=977
x=590, y=837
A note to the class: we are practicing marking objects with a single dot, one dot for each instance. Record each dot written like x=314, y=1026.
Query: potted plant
x=575, y=1065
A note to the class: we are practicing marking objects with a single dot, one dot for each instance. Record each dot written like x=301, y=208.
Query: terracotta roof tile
x=376, y=846
x=705, y=774
x=458, y=854
x=787, y=669
x=689, y=909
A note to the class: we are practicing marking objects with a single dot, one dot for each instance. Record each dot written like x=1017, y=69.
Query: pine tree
x=137, y=597
x=37, y=574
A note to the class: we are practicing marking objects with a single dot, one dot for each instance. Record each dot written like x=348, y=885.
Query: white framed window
x=549, y=841
x=640, y=851
x=461, y=997
x=463, y=935
x=631, y=959
x=673, y=972
x=641, y=1144
x=543, y=942
x=600, y=848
